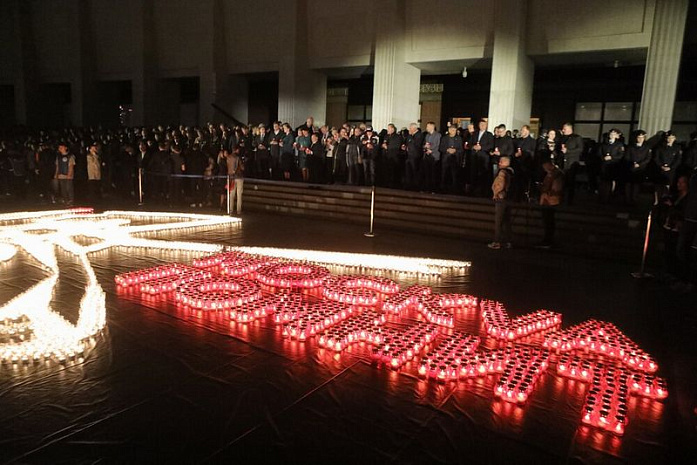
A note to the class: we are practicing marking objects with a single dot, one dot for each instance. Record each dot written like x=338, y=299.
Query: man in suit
x=451, y=148
x=431, y=161
x=260, y=145
x=503, y=147
x=369, y=151
x=275, y=137
x=571, y=149
x=315, y=158
x=523, y=163
x=413, y=144
x=481, y=143
x=391, y=149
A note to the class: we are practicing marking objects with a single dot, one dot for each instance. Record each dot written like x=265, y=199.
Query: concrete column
x=144, y=83
x=302, y=91
x=510, y=98
x=396, y=83
x=663, y=65
x=26, y=79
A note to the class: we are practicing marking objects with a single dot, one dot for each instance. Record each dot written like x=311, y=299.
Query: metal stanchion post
x=641, y=273
x=140, y=186
x=372, y=213
x=229, y=187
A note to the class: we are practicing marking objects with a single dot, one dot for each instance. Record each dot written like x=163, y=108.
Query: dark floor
x=167, y=386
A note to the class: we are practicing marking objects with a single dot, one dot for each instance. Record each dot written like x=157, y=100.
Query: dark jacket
x=415, y=143
x=574, y=149
x=394, y=145
x=639, y=154
x=447, y=142
x=615, y=150
x=260, y=141
x=505, y=146
x=669, y=156
x=486, y=141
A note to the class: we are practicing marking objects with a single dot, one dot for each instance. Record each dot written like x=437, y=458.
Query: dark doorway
x=110, y=98
x=53, y=106
x=263, y=98
x=178, y=101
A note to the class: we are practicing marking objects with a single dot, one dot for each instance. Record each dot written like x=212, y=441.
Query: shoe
x=200, y=205
x=509, y=245
x=193, y=205
x=544, y=246
x=494, y=245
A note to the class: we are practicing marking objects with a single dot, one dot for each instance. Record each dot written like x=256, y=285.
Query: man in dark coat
x=481, y=143
x=451, y=150
x=571, y=149
x=414, y=146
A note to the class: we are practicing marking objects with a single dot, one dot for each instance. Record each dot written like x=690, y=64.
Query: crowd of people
x=197, y=166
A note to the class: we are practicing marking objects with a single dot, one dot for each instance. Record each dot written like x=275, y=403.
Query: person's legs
x=410, y=175
x=239, y=187
x=499, y=212
x=549, y=224
x=507, y=231
x=570, y=182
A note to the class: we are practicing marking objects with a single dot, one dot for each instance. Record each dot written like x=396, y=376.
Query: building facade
x=85, y=62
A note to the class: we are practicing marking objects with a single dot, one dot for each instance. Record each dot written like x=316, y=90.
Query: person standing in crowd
x=143, y=160
x=673, y=223
x=503, y=147
x=551, y=192
x=287, y=151
x=636, y=159
x=275, y=139
x=126, y=166
x=470, y=162
x=413, y=144
x=482, y=143
x=160, y=168
x=548, y=148
x=235, y=171
x=523, y=163
x=451, y=148
x=196, y=161
x=369, y=153
x=262, y=156
x=330, y=156
x=431, y=161
x=17, y=163
x=502, y=210
x=571, y=150
x=94, y=172
x=178, y=169
x=341, y=162
x=668, y=159
x=244, y=148
x=353, y=156
x=315, y=158
x=611, y=153
x=46, y=167
x=391, y=148
x=302, y=145
x=64, y=174
x=308, y=125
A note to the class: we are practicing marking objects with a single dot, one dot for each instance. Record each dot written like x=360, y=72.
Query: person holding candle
x=502, y=212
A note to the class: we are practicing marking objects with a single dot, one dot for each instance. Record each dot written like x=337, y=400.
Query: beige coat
x=94, y=167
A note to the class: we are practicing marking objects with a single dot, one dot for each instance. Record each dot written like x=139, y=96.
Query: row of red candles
x=453, y=359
